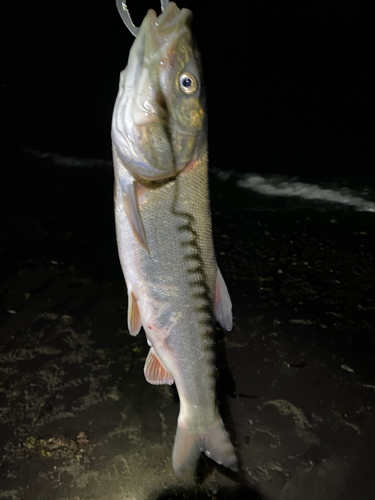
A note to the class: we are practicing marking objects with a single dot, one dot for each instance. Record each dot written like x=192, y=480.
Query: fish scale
x=163, y=227
x=173, y=287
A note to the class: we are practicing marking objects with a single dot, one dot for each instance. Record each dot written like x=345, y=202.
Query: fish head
x=159, y=120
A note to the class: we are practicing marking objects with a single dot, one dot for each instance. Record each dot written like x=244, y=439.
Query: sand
x=296, y=384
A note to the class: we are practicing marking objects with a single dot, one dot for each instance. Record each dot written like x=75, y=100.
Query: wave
x=337, y=193
x=69, y=161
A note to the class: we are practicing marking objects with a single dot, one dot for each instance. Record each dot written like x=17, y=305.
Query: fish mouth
x=173, y=16
x=169, y=20
x=162, y=30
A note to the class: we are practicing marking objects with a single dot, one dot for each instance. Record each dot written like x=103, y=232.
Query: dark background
x=288, y=83
x=289, y=92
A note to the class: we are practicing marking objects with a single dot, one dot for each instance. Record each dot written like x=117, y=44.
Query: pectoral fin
x=155, y=372
x=223, y=304
x=131, y=209
x=134, y=317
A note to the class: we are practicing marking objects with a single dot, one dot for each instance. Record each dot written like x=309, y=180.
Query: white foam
x=70, y=161
x=337, y=193
x=278, y=186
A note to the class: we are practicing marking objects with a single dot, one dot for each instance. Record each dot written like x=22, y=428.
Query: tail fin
x=215, y=444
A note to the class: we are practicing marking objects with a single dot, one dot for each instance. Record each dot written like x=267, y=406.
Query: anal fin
x=155, y=372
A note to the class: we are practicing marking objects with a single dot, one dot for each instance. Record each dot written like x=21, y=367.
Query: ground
x=296, y=382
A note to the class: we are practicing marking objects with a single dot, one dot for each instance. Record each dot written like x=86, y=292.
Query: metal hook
x=125, y=15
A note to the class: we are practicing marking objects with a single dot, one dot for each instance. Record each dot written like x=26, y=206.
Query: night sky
x=288, y=83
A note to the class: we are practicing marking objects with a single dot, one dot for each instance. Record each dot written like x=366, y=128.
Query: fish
x=163, y=225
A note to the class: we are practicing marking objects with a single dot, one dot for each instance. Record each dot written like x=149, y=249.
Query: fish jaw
x=157, y=128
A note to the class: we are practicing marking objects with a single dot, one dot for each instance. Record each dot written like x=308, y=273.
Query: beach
x=296, y=385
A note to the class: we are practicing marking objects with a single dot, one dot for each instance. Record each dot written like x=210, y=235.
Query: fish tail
x=215, y=444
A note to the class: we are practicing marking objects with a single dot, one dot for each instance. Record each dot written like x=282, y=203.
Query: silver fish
x=163, y=224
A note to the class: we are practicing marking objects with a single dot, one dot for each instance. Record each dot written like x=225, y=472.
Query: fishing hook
x=125, y=15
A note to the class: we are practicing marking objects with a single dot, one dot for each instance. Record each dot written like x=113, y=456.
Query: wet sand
x=296, y=380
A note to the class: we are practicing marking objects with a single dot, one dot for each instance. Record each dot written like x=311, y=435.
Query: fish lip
x=171, y=16
x=170, y=23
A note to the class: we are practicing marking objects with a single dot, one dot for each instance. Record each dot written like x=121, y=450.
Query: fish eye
x=188, y=83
